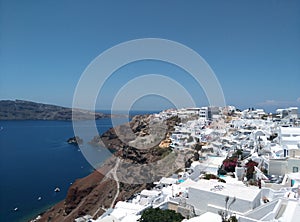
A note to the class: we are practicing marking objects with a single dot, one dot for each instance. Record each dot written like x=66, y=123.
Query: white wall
x=201, y=198
x=293, y=162
x=277, y=167
x=281, y=167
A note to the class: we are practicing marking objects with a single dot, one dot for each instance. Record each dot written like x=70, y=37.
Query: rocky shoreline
x=95, y=193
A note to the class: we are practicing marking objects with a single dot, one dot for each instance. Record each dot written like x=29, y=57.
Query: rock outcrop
x=75, y=140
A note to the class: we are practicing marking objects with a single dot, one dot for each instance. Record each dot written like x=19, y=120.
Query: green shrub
x=158, y=215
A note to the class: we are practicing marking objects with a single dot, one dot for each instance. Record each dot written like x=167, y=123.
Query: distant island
x=27, y=110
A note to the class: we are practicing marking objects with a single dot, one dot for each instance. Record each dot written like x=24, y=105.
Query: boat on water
x=57, y=189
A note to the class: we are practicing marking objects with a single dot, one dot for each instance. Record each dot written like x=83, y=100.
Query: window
x=295, y=169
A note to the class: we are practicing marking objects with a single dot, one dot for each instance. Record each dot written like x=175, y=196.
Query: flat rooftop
x=290, y=130
x=208, y=216
x=240, y=191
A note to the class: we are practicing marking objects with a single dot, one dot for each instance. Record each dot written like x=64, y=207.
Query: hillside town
x=245, y=168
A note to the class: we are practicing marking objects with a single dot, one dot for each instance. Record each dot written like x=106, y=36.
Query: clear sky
x=252, y=46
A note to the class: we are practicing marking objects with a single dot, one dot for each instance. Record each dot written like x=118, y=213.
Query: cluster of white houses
x=272, y=141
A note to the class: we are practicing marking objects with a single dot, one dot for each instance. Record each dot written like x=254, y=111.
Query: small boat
x=57, y=189
x=39, y=198
x=16, y=209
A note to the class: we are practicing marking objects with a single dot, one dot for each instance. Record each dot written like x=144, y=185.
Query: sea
x=35, y=158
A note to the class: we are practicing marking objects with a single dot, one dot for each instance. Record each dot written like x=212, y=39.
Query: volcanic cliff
x=95, y=193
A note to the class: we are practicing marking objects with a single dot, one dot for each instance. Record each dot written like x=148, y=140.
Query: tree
x=250, y=169
x=238, y=153
x=155, y=215
x=229, y=164
x=198, y=147
x=188, y=163
x=224, y=214
x=196, y=156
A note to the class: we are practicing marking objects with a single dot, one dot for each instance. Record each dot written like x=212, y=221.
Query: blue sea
x=35, y=159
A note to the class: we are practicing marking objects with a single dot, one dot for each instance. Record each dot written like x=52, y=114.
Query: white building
x=290, y=136
x=291, y=112
x=209, y=195
x=203, y=113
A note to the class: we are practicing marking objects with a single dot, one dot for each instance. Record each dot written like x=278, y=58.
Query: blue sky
x=252, y=46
